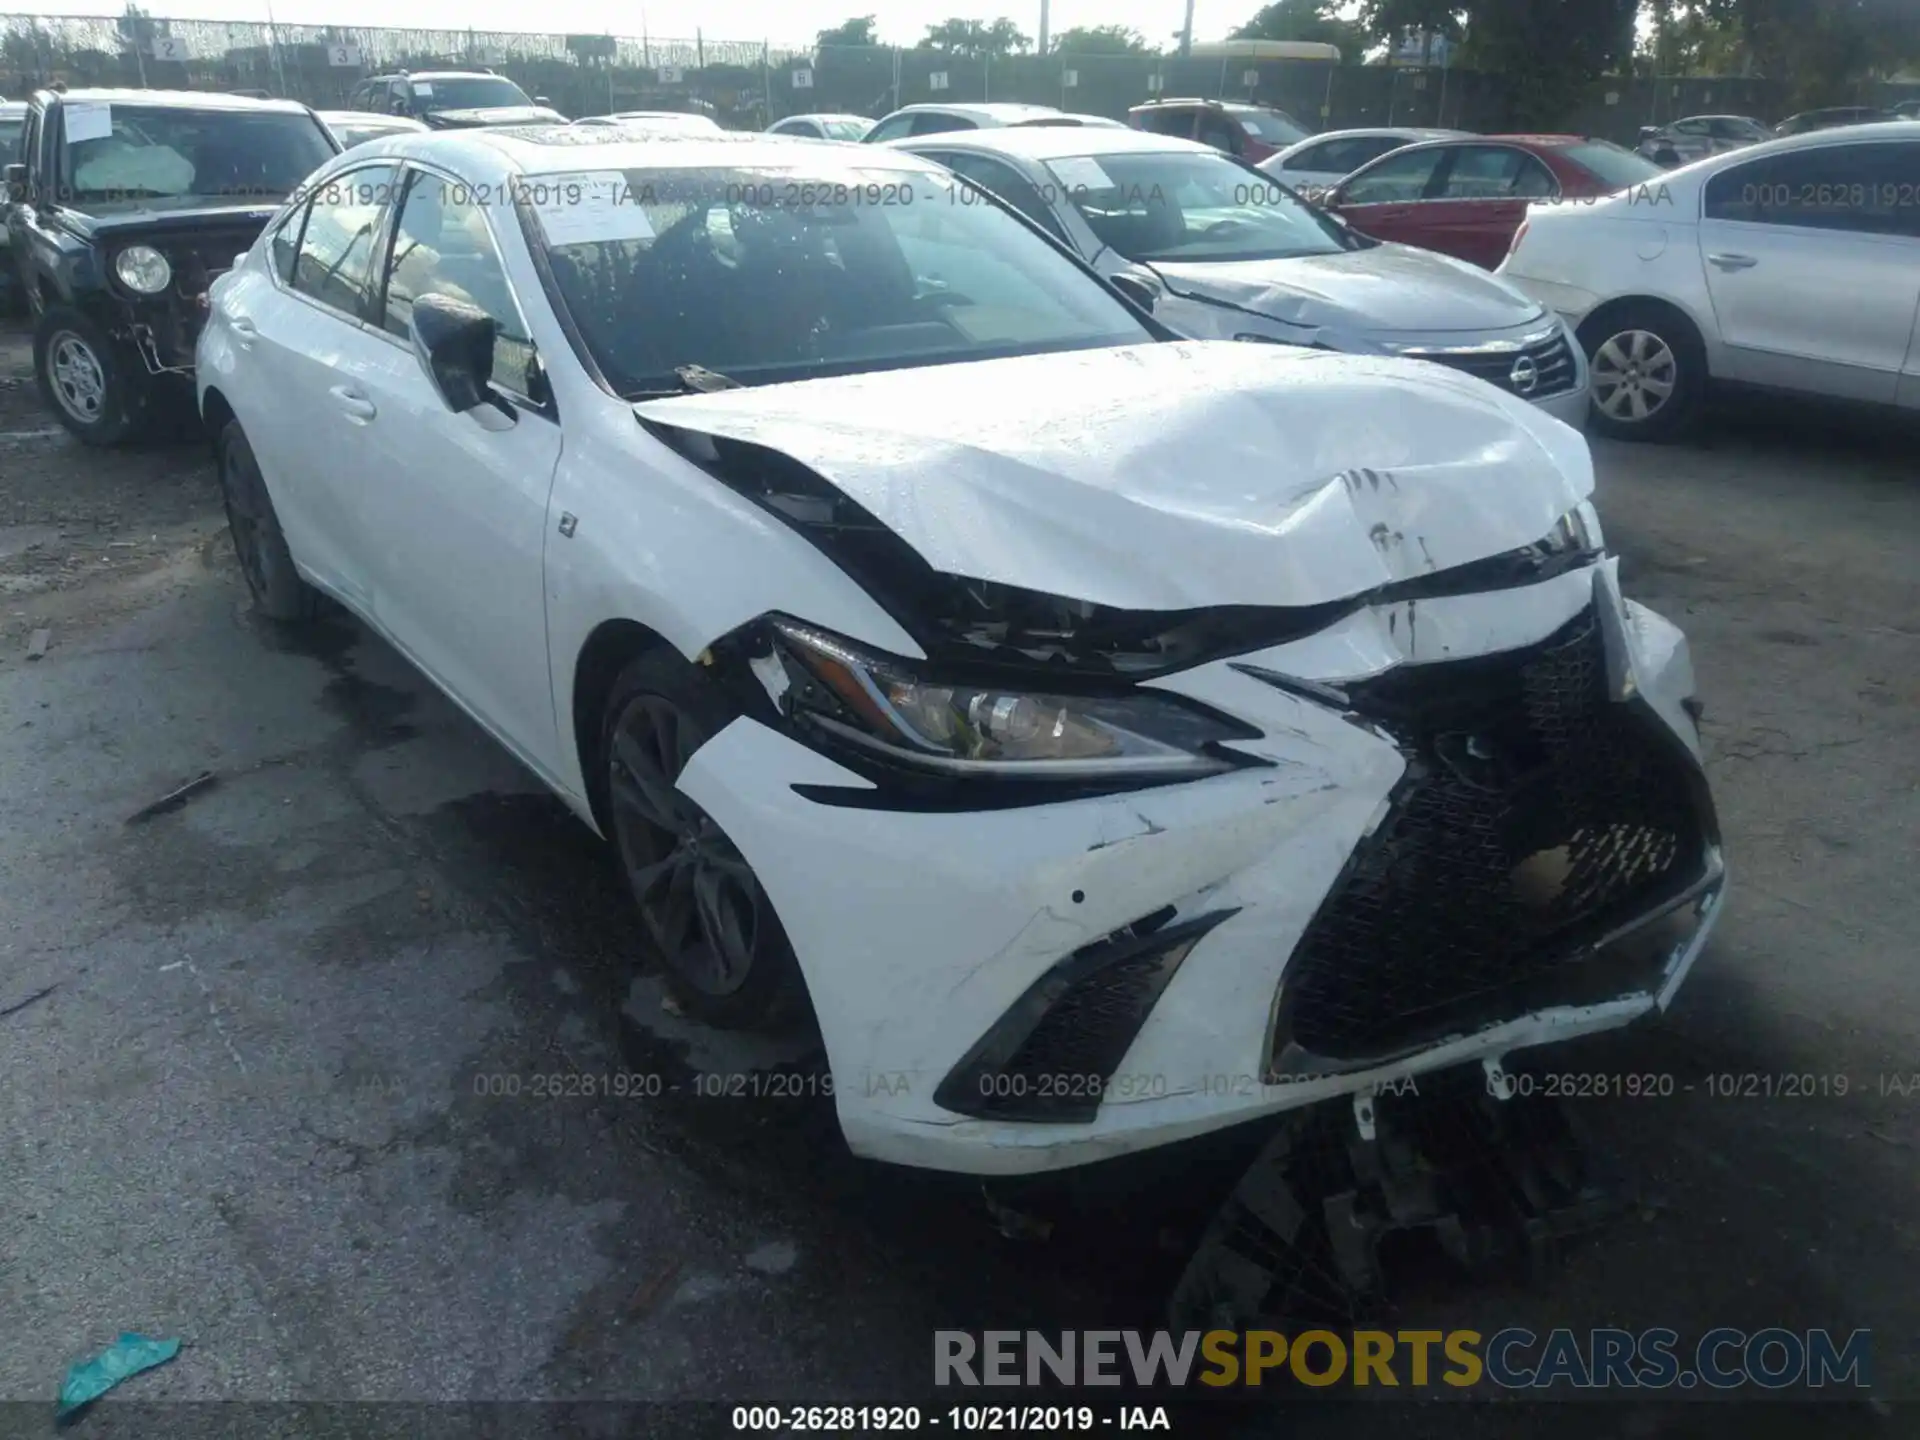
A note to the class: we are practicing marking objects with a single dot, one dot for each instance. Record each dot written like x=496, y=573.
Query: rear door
x=1812, y=260
x=301, y=329
x=1479, y=199
x=1386, y=199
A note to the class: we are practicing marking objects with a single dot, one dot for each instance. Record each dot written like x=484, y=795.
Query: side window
x=1482, y=172
x=891, y=129
x=1168, y=121
x=934, y=122
x=1395, y=180
x=1006, y=185
x=441, y=246
x=802, y=127
x=285, y=244
x=335, y=260
x=1221, y=133
x=1535, y=181
x=1861, y=189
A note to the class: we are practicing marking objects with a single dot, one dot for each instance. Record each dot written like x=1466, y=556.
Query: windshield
x=1192, y=206
x=353, y=132
x=133, y=151
x=845, y=129
x=1613, y=165
x=1273, y=126
x=775, y=273
x=10, y=132
x=468, y=92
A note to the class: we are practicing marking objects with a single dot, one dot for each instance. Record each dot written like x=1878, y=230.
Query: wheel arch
x=1589, y=331
x=609, y=648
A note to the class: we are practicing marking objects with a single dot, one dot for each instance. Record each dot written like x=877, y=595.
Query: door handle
x=1733, y=262
x=355, y=406
x=245, y=332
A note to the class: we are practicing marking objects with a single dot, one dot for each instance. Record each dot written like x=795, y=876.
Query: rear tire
x=1649, y=372
x=93, y=384
x=726, y=959
x=278, y=591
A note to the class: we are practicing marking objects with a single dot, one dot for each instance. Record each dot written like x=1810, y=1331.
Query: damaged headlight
x=143, y=269
x=1577, y=530
x=878, y=705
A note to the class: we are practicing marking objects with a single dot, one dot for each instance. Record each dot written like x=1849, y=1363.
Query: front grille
x=201, y=256
x=1554, y=367
x=1537, y=816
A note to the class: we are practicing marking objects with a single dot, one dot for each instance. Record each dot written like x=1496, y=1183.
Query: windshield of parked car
x=468, y=92
x=356, y=131
x=1612, y=164
x=136, y=151
x=1272, y=126
x=1192, y=205
x=776, y=272
x=845, y=129
x=10, y=133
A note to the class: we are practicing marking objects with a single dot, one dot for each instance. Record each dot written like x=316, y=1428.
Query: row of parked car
x=1102, y=736
x=1616, y=305
x=1697, y=136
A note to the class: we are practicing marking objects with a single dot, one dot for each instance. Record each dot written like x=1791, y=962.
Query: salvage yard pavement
x=274, y=1060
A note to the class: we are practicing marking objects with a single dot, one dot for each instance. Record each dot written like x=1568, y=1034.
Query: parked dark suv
x=1253, y=132
x=131, y=202
x=452, y=99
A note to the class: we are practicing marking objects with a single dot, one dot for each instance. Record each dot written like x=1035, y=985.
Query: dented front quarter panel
x=1177, y=476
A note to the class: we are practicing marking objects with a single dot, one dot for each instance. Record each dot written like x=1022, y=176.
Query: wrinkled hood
x=1174, y=476
x=166, y=215
x=1377, y=290
x=492, y=115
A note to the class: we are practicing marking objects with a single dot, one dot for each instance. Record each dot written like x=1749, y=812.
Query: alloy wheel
x=699, y=898
x=1634, y=375
x=79, y=380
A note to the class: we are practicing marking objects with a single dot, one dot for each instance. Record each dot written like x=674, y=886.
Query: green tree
x=848, y=34
x=1101, y=40
x=1825, y=50
x=976, y=39
x=1317, y=21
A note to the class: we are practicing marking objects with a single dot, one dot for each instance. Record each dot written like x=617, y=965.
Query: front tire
x=726, y=958
x=258, y=542
x=1649, y=372
x=87, y=379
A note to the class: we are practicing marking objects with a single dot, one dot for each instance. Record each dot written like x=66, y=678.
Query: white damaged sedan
x=1105, y=738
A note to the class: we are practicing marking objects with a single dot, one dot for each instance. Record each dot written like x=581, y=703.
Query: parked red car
x=1467, y=197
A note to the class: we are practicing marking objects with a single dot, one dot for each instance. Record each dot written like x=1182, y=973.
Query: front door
x=1812, y=261
x=1386, y=199
x=453, y=507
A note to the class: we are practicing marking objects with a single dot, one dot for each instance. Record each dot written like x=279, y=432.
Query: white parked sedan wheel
x=1647, y=372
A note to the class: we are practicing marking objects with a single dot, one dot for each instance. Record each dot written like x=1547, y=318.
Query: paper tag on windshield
x=421, y=87
x=87, y=120
x=1081, y=172
x=582, y=209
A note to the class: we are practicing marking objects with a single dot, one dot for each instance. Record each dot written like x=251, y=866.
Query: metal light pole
x=1043, y=26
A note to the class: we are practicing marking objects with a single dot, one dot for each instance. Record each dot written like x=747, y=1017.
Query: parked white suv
x=1793, y=265
x=1106, y=738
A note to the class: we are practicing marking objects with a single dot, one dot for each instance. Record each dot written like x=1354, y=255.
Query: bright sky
x=899, y=21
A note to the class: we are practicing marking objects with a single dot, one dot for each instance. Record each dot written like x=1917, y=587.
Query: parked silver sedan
x=1324, y=160
x=1221, y=251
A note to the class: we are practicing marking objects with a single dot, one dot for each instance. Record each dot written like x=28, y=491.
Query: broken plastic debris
x=174, y=798
x=1013, y=1224
x=88, y=1380
x=38, y=643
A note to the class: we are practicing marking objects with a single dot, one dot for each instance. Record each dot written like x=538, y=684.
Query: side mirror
x=16, y=184
x=453, y=341
x=1647, y=132
x=1140, y=291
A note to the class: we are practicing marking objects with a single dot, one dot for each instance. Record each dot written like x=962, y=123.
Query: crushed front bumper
x=1037, y=987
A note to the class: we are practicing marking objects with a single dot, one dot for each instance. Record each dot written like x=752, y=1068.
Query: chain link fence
x=749, y=84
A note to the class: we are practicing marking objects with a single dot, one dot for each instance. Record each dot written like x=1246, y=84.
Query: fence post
x=766, y=78
x=700, y=50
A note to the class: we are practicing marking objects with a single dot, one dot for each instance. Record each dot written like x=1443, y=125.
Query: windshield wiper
x=702, y=381
x=693, y=380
